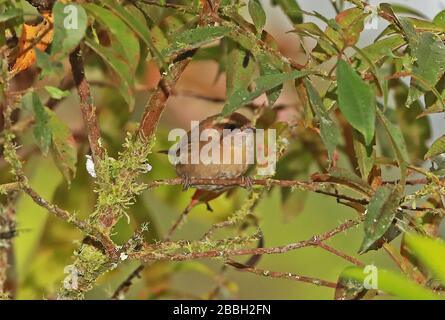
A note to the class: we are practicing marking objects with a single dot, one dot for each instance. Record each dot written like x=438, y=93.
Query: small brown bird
x=234, y=126
x=190, y=165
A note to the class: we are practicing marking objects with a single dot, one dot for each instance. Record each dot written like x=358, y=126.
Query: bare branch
x=341, y=254
x=281, y=275
x=123, y=288
x=158, y=99
x=148, y=254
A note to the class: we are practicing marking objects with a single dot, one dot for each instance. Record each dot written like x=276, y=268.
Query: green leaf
x=392, y=283
x=425, y=25
x=439, y=19
x=351, y=289
x=352, y=23
x=136, y=25
x=404, y=9
x=63, y=146
x=378, y=51
x=56, y=93
x=42, y=130
x=70, y=23
x=398, y=143
x=437, y=148
x=267, y=68
x=11, y=13
x=428, y=51
x=330, y=134
x=194, y=38
x=258, y=15
x=50, y=132
x=356, y=101
x=380, y=214
x=430, y=252
x=48, y=67
x=415, y=130
x=365, y=154
x=119, y=66
x=351, y=180
x=262, y=84
x=240, y=67
x=308, y=29
x=127, y=43
x=291, y=9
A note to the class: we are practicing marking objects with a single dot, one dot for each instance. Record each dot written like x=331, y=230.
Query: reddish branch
x=86, y=103
x=341, y=254
x=313, y=186
x=158, y=100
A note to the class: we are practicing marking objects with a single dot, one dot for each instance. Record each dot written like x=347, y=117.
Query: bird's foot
x=247, y=182
x=186, y=182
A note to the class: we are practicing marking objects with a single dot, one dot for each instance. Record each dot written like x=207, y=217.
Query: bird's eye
x=230, y=126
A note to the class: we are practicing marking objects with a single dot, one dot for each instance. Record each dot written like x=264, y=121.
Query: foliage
x=358, y=134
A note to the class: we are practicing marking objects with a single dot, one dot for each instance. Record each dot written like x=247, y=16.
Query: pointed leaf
x=263, y=84
x=437, y=148
x=392, y=283
x=380, y=214
x=118, y=66
x=351, y=289
x=439, y=19
x=63, y=146
x=330, y=134
x=397, y=143
x=56, y=93
x=70, y=23
x=11, y=13
x=267, y=68
x=428, y=51
x=258, y=15
x=136, y=25
x=291, y=9
x=195, y=38
x=430, y=252
x=128, y=43
x=365, y=154
x=42, y=130
x=240, y=67
x=356, y=101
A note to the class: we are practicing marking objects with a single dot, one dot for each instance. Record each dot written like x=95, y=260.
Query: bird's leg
x=247, y=182
x=186, y=182
x=209, y=208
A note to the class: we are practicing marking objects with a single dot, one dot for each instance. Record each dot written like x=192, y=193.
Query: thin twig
x=178, y=222
x=305, y=185
x=281, y=275
x=313, y=241
x=341, y=254
x=103, y=239
x=123, y=288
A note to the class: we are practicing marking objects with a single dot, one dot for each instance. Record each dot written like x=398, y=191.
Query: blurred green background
x=45, y=246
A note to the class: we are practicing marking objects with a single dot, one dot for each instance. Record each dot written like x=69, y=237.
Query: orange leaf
x=33, y=36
